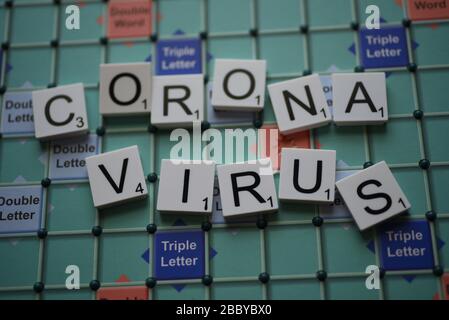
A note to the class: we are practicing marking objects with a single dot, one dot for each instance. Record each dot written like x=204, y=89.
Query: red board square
x=268, y=134
x=428, y=9
x=122, y=293
x=445, y=283
x=129, y=19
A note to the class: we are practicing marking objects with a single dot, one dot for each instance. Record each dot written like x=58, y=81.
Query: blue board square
x=178, y=56
x=68, y=157
x=383, y=48
x=17, y=113
x=179, y=255
x=20, y=209
x=406, y=246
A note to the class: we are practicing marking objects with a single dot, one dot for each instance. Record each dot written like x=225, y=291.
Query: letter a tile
x=360, y=98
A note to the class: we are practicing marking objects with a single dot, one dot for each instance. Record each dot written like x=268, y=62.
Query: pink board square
x=428, y=9
x=129, y=19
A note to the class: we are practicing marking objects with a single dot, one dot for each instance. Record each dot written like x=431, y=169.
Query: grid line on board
x=307, y=65
x=422, y=147
x=255, y=55
x=204, y=48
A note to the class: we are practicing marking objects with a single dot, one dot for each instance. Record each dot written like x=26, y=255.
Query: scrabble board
x=304, y=251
